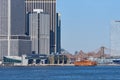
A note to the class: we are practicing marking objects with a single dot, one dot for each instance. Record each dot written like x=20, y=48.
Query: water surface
x=60, y=73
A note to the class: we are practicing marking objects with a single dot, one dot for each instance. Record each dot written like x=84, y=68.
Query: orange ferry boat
x=85, y=63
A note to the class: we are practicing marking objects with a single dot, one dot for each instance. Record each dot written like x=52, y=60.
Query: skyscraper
x=12, y=28
x=115, y=38
x=39, y=24
x=58, y=33
x=49, y=7
x=12, y=17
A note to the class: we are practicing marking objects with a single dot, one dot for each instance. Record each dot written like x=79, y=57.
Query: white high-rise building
x=115, y=38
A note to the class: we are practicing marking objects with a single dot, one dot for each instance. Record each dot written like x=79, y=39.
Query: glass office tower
x=58, y=33
x=49, y=7
x=39, y=24
x=12, y=28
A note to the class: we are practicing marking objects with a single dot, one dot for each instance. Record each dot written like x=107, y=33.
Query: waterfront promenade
x=37, y=65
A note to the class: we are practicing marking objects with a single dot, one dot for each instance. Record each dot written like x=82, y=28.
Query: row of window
x=16, y=37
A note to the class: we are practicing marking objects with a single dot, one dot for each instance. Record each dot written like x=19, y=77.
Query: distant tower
x=13, y=41
x=58, y=33
x=49, y=7
x=115, y=38
x=39, y=24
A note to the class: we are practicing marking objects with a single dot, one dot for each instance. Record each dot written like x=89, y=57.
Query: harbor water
x=60, y=73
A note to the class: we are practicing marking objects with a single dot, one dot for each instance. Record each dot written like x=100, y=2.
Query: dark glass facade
x=58, y=34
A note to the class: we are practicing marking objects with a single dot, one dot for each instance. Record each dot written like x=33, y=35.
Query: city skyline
x=31, y=28
x=86, y=23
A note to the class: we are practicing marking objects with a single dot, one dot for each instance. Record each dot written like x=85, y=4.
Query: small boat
x=85, y=63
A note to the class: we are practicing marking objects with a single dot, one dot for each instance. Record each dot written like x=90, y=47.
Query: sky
x=86, y=23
